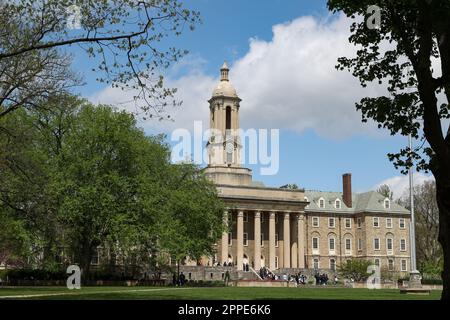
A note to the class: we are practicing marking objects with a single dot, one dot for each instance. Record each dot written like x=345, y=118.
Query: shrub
x=355, y=269
x=32, y=274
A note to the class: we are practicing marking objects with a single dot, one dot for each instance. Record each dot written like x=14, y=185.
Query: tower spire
x=224, y=72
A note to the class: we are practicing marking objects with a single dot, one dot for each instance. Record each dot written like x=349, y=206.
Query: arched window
x=228, y=119
x=337, y=204
x=331, y=244
x=321, y=203
x=387, y=203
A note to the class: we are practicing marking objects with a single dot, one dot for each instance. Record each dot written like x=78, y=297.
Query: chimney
x=347, y=189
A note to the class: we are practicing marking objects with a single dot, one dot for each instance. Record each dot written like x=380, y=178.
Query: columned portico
x=240, y=240
x=257, y=240
x=287, y=240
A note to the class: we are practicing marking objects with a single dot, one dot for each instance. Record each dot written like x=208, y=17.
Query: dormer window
x=387, y=203
x=337, y=204
x=321, y=203
x=306, y=200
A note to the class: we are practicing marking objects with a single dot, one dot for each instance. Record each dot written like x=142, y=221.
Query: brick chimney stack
x=347, y=189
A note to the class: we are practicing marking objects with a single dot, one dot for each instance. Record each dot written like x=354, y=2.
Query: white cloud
x=289, y=82
x=400, y=184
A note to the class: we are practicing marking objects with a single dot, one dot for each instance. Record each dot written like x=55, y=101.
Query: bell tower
x=224, y=144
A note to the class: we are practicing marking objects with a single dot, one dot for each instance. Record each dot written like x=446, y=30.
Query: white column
x=301, y=239
x=294, y=243
x=240, y=240
x=272, y=241
x=225, y=239
x=257, y=240
x=287, y=240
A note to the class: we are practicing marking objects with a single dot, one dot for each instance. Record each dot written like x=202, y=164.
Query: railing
x=254, y=271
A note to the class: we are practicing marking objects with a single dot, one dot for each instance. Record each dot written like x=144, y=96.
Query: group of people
x=322, y=279
x=264, y=273
x=298, y=278
x=179, y=280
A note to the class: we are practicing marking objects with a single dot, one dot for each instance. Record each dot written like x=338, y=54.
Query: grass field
x=230, y=293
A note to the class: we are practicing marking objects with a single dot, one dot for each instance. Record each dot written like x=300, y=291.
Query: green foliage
x=431, y=268
x=355, y=269
x=93, y=179
x=398, y=53
x=291, y=186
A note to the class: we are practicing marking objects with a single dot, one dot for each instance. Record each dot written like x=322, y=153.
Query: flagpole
x=412, y=228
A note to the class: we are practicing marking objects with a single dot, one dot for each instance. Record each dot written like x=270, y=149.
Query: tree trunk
x=85, y=261
x=443, y=200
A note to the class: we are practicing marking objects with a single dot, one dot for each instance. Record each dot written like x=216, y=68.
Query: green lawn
x=229, y=293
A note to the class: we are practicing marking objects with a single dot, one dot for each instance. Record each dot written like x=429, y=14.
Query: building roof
x=224, y=88
x=361, y=202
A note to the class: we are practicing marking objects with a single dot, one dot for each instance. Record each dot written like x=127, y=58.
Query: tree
x=399, y=52
x=122, y=35
x=429, y=252
x=355, y=269
x=291, y=186
x=90, y=178
x=385, y=191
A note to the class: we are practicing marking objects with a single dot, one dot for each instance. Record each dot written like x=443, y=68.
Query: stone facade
x=285, y=229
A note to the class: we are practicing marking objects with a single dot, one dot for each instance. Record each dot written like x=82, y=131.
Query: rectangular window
x=316, y=263
x=402, y=244
x=331, y=244
x=377, y=262
x=262, y=239
x=389, y=245
x=95, y=259
x=321, y=203
x=359, y=244
x=376, y=222
x=333, y=264
x=391, y=264
x=404, y=265
x=389, y=223
x=359, y=223
x=331, y=222
x=401, y=223
x=230, y=238
x=315, y=244
x=315, y=222
x=348, y=246
x=348, y=223
x=245, y=239
x=276, y=240
x=376, y=244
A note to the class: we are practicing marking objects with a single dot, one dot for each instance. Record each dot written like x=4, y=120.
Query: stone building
x=282, y=228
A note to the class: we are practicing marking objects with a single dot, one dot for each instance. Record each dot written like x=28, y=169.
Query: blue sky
x=313, y=152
